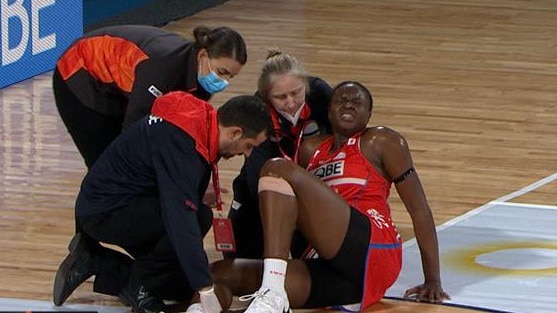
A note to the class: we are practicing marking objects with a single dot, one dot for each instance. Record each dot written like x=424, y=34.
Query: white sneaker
x=267, y=301
x=195, y=308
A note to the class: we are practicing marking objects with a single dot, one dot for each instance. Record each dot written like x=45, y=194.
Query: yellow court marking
x=471, y=259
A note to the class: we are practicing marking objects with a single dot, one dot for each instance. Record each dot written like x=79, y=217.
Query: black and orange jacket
x=111, y=67
x=170, y=156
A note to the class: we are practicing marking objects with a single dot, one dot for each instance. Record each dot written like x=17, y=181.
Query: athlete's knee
x=275, y=184
x=276, y=175
x=278, y=167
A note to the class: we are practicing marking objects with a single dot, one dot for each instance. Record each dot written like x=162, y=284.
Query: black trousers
x=138, y=228
x=91, y=131
x=248, y=230
x=246, y=221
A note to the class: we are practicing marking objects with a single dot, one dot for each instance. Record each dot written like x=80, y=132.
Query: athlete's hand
x=427, y=292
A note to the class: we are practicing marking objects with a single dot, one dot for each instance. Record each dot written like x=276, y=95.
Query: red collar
x=195, y=117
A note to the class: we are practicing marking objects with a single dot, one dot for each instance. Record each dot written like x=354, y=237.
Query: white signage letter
x=14, y=10
x=47, y=42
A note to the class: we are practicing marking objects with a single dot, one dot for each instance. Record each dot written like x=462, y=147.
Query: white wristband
x=207, y=291
x=209, y=301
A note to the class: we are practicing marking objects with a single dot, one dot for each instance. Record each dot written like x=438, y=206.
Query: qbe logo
x=34, y=33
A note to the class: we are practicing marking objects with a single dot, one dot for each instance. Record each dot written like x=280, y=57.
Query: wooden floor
x=471, y=84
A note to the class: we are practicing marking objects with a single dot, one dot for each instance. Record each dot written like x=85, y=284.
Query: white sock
x=274, y=273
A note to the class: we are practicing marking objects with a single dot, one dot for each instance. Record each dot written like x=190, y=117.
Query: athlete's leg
x=290, y=198
x=316, y=210
x=243, y=276
x=296, y=199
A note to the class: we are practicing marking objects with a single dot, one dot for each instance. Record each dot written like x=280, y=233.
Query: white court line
x=526, y=205
x=23, y=305
x=528, y=188
x=502, y=200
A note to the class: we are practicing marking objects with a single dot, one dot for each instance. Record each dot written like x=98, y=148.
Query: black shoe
x=74, y=270
x=141, y=300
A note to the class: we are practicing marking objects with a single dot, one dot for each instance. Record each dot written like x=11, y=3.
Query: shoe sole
x=76, y=247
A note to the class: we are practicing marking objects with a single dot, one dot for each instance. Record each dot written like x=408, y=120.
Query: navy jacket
x=170, y=154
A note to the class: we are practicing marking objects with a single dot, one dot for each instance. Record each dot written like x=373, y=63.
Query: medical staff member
x=298, y=104
x=110, y=77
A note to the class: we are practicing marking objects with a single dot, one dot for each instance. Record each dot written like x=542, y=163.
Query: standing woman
x=298, y=104
x=110, y=77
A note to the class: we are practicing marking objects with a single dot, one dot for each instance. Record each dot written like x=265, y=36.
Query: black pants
x=139, y=229
x=91, y=131
x=248, y=230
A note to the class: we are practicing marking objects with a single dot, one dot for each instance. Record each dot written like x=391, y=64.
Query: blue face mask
x=212, y=82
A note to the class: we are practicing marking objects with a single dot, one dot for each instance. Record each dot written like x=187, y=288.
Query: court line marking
x=500, y=201
x=528, y=188
x=526, y=205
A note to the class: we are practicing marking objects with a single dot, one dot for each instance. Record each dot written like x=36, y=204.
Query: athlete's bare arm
x=307, y=149
x=388, y=151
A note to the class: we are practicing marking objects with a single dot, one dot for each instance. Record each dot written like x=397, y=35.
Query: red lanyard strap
x=216, y=187
x=298, y=143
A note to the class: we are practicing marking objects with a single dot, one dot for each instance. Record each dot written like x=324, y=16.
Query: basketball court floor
x=501, y=256
x=470, y=84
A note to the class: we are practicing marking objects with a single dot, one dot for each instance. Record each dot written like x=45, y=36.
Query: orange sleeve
x=108, y=59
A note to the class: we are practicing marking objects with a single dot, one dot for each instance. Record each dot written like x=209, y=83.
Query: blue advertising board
x=33, y=35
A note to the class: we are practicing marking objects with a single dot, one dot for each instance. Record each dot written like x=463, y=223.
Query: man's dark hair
x=248, y=112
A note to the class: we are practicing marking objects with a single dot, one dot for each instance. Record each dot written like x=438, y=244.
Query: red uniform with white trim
x=352, y=176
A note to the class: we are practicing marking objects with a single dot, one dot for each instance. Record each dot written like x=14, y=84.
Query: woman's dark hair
x=247, y=112
x=221, y=42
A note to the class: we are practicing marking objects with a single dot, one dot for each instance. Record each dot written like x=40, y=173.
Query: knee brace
x=275, y=184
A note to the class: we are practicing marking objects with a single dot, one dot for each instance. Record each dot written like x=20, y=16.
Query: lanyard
x=298, y=143
x=216, y=186
x=279, y=136
x=214, y=170
x=222, y=227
